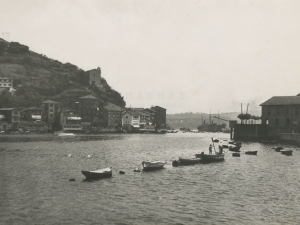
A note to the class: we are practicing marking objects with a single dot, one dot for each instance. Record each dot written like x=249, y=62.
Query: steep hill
x=193, y=120
x=37, y=78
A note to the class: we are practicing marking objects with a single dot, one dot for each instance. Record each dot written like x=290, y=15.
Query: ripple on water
x=35, y=187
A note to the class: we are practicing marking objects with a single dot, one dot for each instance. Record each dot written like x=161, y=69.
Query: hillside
x=37, y=78
x=193, y=120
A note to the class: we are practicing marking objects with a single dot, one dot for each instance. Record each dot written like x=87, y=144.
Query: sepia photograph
x=133, y=112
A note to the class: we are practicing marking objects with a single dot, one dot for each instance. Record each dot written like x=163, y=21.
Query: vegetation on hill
x=37, y=78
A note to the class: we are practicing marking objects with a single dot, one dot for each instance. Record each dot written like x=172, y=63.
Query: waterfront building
x=88, y=108
x=70, y=120
x=160, y=117
x=10, y=118
x=50, y=113
x=280, y=112
x=92, y=77
x=111, y=116
x=131, y=120
x=33, y=126
x=31, y=114
x=6, y=84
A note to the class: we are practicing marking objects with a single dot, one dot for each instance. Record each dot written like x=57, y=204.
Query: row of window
x=286, y=110
x=4, y=80
x=5, y=84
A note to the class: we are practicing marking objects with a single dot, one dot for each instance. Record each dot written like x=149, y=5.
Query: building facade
x=111, y=116
x=130, y=120
x=31, y=114
x=160, y=117
x=88, y=108
x=6, y=84
x=92, y=77
x=280, y=112
x=70, y=120
x=10, y=118
x=50, y=114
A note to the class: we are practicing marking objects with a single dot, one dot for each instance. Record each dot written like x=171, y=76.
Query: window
x=266, y=121
x=269, y=110
x=126, y=117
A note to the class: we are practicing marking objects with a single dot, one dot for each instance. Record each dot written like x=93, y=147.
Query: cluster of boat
x=199, y=158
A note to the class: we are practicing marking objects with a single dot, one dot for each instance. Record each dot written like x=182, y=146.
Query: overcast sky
x=182, y=55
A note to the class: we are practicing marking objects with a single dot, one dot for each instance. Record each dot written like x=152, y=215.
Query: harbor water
x=35, y=186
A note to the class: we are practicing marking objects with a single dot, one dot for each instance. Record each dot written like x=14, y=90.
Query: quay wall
x=250, y=131
x=290, y=137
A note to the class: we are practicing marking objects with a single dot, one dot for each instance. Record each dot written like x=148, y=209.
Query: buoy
x=121, y=172
x=72, y=179
x=236, y=154
x=89, y=156
x=70, y=155
x=175, y=163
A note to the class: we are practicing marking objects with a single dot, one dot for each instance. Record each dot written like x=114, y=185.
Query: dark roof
x=112, y=107
x=137, y=109
x=7, y=109
x=132, y=112
x=31, y=108
x=149, y=110
x=157, y=107
x=89, y=97
x=144, y=113
x=282, y=100
x=50, y=102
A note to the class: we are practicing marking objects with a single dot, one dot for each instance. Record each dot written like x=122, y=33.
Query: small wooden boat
x=153, y=165
x=185, y=161
x=98, y=174
x=235, y=154
x=278, y=149
x=251, y=152
x=286, y=152
x=225, y=146
x=216, y=140
x=234, y=148
x=210, y=158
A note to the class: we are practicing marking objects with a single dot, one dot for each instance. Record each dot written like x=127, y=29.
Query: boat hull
x=286, y=152
x=210, y=158
x=251, y=152
x=183, y=161
x=234, y=148
x=153, y=165
x=92, y=175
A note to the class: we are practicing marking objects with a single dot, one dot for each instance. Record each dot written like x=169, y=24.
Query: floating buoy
x=70, y=155
x=175, y=163
x=89, y=156
x=236, y=154
x=121, y=172
x=72, y=179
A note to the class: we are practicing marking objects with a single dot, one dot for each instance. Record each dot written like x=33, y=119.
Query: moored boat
x=234, y=148
x=210, y=158
x=186, y=161
x=286, y=152
x=251, y=152
x=278, y=149
x=98, y=174
x=153, y=165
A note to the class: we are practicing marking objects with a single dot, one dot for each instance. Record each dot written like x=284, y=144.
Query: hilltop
x=193, y=120
x=37, y=78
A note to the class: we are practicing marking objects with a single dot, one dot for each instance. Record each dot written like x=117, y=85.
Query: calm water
x=35, y=186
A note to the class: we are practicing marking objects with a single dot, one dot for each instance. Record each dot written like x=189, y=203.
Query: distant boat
x=278, y=149
x=59, y=133
x=153, y=165
x=251, y=152
x=210, y=158
x=286, y=152
x=187, y=161
x=234, y=148
x=98, y=174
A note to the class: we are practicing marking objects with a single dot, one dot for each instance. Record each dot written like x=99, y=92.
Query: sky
x=185, y=56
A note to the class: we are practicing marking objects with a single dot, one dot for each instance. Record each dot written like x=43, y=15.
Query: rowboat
x=286, y=152
x=278, y=149
x=153, y=165
x=185, y=161
x=251, y=152
x=234, y=148
x=210, y=158
x=98, y=174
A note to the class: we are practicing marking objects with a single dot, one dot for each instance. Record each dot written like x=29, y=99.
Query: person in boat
x=220, y=149
x=210, y=149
